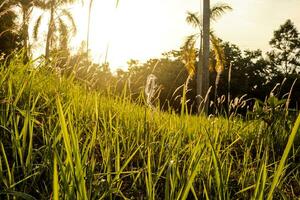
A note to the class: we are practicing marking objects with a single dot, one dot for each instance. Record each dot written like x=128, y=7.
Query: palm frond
x=64, y=2
x=6, y=7
x=6, y=11
x=190, y=40
x=218, y=53
x=218, y=10
x=36, y=27
x=54, y=35
x=67, y=14
x=11, y=30
x=188, y=54
x=193, y=19
x=25, y=3
x=63, y=34
x=43, y=5
x=63, y=28
x=3, y=3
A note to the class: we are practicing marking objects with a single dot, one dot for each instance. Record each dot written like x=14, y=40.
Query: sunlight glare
x=133, y=30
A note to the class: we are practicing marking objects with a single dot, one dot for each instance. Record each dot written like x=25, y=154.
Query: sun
x=102, y=18
x=114, y=31
x=133, y=30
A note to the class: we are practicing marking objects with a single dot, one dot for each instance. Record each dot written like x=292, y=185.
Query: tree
x=202, y=72
x=60, y=20
x=195, y=20
x=26, y=7
x=286, y=48
x=9, y=36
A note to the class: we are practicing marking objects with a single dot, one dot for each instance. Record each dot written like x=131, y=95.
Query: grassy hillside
x=61, y=141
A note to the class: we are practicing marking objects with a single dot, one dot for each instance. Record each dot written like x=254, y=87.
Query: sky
x=143, y=29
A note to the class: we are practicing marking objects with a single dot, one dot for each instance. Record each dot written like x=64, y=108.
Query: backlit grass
x=61, y=141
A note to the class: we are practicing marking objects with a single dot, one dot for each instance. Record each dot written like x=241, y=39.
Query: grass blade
x=287, y=149
x=55, y=180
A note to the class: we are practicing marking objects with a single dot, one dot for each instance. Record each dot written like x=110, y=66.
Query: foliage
x=188, y=57
x=271, y=111
x=189, y=45
x=286, y=48
x=249, y=73
x=251, y=77
x=9, y=36
x=189, y=52
x=61, y=24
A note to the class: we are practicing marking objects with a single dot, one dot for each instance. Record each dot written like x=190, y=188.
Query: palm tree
x=26, y=7
x=202, y=73
x=58, y=26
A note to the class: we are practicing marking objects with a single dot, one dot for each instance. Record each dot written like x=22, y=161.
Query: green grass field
x=60, y=141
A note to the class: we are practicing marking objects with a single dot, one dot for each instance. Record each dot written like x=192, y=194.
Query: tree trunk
x=203, y=70
x=286, y=67
x=199, y=71
x=25, y=34
x=229, y=87
x=218, y=76
x=50, y=30
x=88, y=29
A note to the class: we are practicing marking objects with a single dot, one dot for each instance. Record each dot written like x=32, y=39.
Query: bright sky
x=143, y=29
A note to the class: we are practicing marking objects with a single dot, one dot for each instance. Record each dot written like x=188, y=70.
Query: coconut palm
x=61, y=23
x=195, y=20
x=26, y=7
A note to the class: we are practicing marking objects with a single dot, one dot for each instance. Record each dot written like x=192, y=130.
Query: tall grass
x=60, y=141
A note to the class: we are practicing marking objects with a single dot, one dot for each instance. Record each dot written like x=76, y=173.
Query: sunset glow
x=140, y=29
